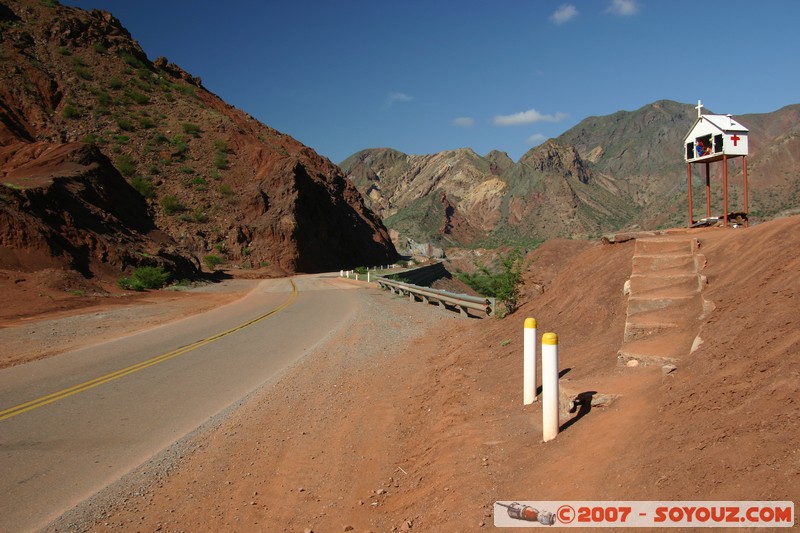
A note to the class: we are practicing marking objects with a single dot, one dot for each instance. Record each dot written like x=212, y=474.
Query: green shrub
x=89, y=138
x=64, y=51
x=226, y=190
x=144, y=74
x=115, y=83
x=126, y=165
x=191, y=129
x=502, y=283
x=181, y=146
x=172, y=205
x=70, y=112
x=220, y=161
x=198, y=217
x=103, y=98
x=99, y=48
x=139, y=98
x=213, y=261
x=144, y=278
x=82, y=72
x=132, y=60
x=122, y=139
x=144, y=186
x=125, y=124
x=188, y=90
x=146, y=123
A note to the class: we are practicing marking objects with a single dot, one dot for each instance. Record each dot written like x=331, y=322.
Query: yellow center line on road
x=60, y=395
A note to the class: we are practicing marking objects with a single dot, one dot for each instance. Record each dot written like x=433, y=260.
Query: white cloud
x=464, y=122
x=564, y=14
x=536, y=138
x=623, y=8
x=398, y=97
x=527, y=117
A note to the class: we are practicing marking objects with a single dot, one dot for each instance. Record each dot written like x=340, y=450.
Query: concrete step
x=670, y=307
x=643, y=328
x=665, y=246
x=666, y=285
x=667, y=349
x=665, y=264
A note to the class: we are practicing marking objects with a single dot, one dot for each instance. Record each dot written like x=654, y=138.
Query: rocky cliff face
x=208, y=178
x=605, y=174
x=65, y=205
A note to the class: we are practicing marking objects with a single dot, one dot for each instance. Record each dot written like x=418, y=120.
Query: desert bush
x=115, y=83
x=125, y=124
x=144, y=186
x=180, y=144
x=144, y=278
x=221, y=161
x=213, y=261
x=103, y=98
x=501, y=283
x=172, y=205
x=139, y=98
x=198, y=217
x=132, y=60
x=126, y=165
x=70, y=112
x=99, y=48
x=82, y=72
x=191, y=129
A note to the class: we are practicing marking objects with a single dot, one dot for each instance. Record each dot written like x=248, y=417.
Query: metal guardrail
x=462, y=302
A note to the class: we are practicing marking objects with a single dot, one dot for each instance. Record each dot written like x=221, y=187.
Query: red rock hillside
x=109, y=160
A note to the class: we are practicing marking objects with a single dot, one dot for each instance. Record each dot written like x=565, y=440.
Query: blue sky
x=423, y=76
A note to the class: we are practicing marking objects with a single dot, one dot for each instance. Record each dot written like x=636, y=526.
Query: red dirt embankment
x=426, y=435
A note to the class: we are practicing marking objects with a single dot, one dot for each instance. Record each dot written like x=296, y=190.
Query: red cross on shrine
x=735, y=138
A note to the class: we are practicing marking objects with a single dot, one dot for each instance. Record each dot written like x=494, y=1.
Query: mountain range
x=621, y=171
x=110, y=160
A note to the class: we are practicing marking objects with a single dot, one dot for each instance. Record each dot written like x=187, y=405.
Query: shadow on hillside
x=583, y=404
x=217, y=276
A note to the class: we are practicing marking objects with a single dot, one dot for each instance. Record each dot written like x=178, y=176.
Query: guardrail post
x=549, y=386
x=529, y=362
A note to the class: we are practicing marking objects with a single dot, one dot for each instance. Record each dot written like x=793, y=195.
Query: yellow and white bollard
x=529, y=362
x=549, y=386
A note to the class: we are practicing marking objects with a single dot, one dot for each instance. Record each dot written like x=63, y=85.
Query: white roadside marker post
x=549, y=386
x=529, y=362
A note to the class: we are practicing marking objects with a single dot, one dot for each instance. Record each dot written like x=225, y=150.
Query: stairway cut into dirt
x=665, y=301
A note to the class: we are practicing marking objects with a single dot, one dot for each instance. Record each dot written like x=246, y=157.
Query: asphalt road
x=72, y=424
